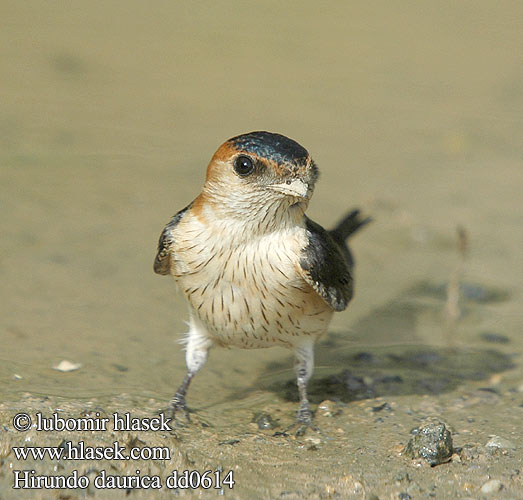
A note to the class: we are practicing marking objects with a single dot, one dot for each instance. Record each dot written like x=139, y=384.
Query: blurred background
x=110, y=112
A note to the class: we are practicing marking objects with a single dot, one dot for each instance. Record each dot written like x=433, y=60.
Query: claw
x=301, y=429
x=173, y=410
x=302, y=423
x=176, y=408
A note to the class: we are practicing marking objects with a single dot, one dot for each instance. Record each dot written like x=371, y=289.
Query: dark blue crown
x=275, y=147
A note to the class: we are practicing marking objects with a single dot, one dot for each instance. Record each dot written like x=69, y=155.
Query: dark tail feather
x=351, y=223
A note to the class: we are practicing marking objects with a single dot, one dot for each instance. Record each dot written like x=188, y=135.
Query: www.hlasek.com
x=30, y=479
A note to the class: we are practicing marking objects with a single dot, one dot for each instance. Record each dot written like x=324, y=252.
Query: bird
x=255, y=270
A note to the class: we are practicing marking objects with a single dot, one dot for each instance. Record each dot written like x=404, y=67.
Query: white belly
x=250, y=294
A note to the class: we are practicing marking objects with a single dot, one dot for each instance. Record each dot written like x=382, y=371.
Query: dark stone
x=432, y=442
x=229, y=441
x=384, y=406
x=264, y=421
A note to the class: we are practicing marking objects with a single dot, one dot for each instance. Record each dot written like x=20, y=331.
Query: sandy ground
x=109, y=116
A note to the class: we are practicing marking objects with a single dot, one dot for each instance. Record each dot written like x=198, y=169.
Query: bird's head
x=260, y=175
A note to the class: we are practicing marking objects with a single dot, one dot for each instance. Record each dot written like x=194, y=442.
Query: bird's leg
x=304, y=368
x=197, y=350
x=304, y=414
x=178, y=401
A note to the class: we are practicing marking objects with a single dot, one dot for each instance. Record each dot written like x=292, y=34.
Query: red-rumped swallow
x=255, y=270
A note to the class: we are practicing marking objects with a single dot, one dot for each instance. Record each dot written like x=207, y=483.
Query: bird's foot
x=302, y=424
x=176, y=409
x=304, y=421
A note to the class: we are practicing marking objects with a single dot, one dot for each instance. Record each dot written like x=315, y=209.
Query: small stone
x=328, y=409
x=469, y=452
x=264, y=421
x=67, y=366
x=492, y=486
x=313, y=441
x=432, y=442
x=230, y=442
x=497, y=442
x=384, y=406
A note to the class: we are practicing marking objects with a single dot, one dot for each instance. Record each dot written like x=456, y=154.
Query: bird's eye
x=243, y=166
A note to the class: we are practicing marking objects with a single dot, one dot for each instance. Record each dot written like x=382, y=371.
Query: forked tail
x=347, y=226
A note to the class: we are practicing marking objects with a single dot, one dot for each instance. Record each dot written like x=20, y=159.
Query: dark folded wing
x=325, y=267
x=162, y=262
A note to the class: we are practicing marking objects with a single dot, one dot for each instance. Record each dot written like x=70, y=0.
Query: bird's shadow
x=403, y=354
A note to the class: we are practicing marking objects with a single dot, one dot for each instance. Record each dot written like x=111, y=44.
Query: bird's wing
x=325, y=268
x=162, y=262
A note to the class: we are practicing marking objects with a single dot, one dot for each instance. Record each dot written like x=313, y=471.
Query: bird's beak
x=295, y=188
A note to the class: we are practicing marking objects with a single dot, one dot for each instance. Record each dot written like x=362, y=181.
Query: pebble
x=384, y=406
x=67, y=366
x=499, y=442
x=313, y=441
x=328, y=409
x=264, y=421
x=492, y=486
x=432, y=442
x=230, y=442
